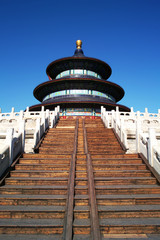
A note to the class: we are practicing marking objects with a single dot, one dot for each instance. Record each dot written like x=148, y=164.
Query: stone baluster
x=22, y=131
x=27, y=112
x=146, y=113
x=121, y=128
x=47, y=118
x=58, y=111
x=138, y=130
x=117, y=118
x=21, y=115
x=9, y=142
x=151, y=142
x=132, y=114
x=12, y=113
x=53, y=120
x=38, y=131
x=112, y=118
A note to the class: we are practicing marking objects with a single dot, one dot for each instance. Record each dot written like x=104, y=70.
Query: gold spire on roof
x=79, y=44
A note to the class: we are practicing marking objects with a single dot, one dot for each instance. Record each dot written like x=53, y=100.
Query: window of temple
x=79, y=92
x=78, y=72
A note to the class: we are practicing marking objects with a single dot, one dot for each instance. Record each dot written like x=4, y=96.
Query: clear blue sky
x=123, y=33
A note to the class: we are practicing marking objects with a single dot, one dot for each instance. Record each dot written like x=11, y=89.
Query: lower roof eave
x=77, y=104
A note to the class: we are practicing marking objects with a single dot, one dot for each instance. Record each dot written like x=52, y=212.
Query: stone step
x=116, y=161
x=54, y=146
x=31, y=226
x=117, y=181
x=34, y=190
x=36, y=181
x=124, y=181
x=105, y=151
x=50, y=167
x=82, y=237
x=55, y=142
x=127, y=189
x=48, y=156
x=131, y=199
x=122, y=173
x=130, y=226
x=81, y=200
x=81, y=226
x=132, y=236
x=35, y=200
x=36, y=236
x=37, y=173
x=81, y=212
x=57, y=151
x=56, y=165
x=81, y=174
x=131, y=211
x=115, y=156
x=32, y=212
x=45, y=160
x=120, y=167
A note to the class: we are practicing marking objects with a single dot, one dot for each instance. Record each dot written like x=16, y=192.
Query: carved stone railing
x=139, y=132
x=13, y=147
x=4, y=159
x=14, y=128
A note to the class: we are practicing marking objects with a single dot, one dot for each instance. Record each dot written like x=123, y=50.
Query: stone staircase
x=81, y=185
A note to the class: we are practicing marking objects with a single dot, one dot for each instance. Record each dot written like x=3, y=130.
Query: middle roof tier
x=56, y=85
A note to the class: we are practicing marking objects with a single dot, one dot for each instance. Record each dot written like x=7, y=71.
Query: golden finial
x=79, y=44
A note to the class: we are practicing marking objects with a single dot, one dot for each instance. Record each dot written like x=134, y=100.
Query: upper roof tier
x=78, y=61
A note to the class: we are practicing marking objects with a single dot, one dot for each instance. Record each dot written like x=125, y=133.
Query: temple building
x=79, y=165
x=79, y=85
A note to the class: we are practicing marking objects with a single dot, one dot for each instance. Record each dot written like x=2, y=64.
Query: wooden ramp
x=81, y=185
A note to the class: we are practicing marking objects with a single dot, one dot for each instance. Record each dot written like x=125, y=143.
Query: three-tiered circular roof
x=78, y=82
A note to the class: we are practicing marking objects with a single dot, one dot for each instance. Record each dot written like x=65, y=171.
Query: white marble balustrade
x=138, y=131
x=21, y=132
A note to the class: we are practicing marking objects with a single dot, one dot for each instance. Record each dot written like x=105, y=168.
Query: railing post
x=102, y=113
x=22, y=131
x=12, y=112
x=37, y=132
x=121, y=129
x=112, y=118
x=146, y=113
x=132, y=113
x=151, y=142
x=138, y=130
x=43, y=119
x=27, y=112
x=106, y=119
x=53, y=121
x=117, y=118
x=58, y=112
x=9, y=142
x=21, y=115
x=47, y=118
